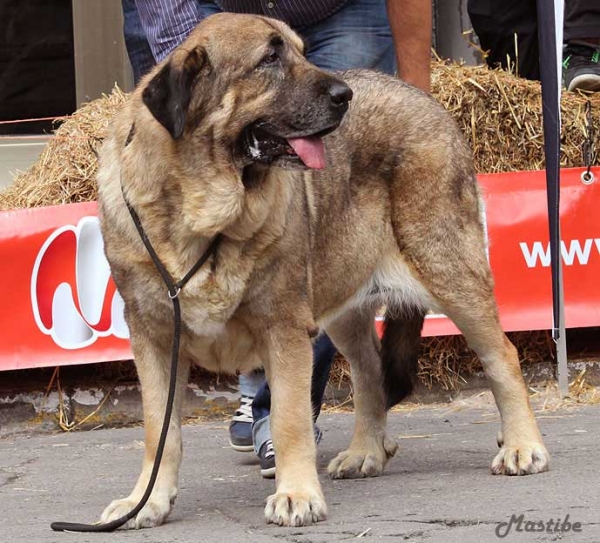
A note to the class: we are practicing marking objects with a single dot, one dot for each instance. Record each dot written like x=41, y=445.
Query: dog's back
x=399, y=180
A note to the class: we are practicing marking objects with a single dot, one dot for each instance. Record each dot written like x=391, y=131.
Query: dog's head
x=242, y=84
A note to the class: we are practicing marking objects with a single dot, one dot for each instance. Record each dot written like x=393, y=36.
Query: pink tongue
x=310, y=150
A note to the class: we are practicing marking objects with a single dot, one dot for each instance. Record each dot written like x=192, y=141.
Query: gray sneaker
x=240, y=427
x=267, y=460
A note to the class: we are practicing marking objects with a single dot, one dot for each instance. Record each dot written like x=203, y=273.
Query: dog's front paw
x=358, y=463
x=524, y=459
x=152, y=514
x=295, y=508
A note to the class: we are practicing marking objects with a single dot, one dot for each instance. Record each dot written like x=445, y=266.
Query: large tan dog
x=226, y=136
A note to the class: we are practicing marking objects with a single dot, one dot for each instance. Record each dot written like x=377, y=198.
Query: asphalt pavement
x=438, y=488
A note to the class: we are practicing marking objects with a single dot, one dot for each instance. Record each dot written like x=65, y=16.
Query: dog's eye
x=271, y=58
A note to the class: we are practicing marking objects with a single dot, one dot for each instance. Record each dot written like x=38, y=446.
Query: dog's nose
x=340, y=93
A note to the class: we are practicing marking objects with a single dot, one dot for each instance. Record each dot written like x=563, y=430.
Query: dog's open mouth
x=261, y=144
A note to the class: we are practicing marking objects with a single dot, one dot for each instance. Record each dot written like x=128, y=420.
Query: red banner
x=517, y=225
x=60, y=305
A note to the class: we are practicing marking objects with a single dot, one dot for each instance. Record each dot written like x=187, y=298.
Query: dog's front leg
x=298, y=500
x=153, y=366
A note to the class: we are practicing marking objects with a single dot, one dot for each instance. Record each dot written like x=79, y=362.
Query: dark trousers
x=497, y=21
x=323, y=354
x=582, y=19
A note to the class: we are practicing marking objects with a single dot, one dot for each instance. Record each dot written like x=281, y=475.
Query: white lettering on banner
x=575, y=249
x=537, y=253
x=571, y=253
x=72, y=305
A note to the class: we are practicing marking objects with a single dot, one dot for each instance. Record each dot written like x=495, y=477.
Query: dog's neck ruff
x=173, y=288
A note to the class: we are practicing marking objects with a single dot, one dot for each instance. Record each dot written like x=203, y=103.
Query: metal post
x=550, y=31
x=561, y=342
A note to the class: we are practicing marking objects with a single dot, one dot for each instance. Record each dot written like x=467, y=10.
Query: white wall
x=17, y=154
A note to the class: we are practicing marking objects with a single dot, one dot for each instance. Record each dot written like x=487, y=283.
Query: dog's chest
x=210, y=301
x=217, y=335
x=232, y=349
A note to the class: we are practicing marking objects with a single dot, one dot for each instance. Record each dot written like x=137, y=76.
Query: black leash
x=173, y=288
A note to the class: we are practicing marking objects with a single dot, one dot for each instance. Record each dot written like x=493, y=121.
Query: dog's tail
x=400, y=352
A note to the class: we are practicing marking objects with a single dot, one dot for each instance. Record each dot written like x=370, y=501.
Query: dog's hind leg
x=370, y=449
x=522, y=451
x=153, y=370
x=455, y=271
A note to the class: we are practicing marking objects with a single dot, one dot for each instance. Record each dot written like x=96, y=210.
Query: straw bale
x=499, y=113
x=501, y=116
x=445, y=361
x=66, y=169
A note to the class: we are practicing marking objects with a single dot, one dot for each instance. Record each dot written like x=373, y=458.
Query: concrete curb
x=35, y=412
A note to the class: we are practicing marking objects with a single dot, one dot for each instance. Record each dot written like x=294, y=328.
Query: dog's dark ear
x=168, y=93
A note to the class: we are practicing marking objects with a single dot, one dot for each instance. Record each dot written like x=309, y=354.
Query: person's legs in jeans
x=356, y=36
x=208, y=8
x=323, y=354
x=261, y=431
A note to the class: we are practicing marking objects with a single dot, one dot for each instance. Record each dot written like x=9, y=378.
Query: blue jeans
x=138, y=50
x=356, y=36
